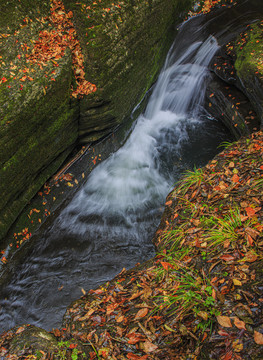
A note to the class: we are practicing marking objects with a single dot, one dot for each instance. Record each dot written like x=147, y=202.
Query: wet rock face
x=124, y=46
x=38, y=123
x=249, y=66
x=235, y=94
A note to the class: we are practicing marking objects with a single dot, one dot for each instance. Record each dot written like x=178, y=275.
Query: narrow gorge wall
x=123, y=45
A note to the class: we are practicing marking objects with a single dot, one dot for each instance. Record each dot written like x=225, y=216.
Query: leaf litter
x=201, y=293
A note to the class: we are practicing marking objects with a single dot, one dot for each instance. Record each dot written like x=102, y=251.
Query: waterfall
x=132, y=181
x=111, y=220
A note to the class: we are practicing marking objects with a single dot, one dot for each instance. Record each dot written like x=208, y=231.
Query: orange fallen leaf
x=258, y=337
x=239, y=323
x=141, y=313
x=148, y=346
x=249, y=239
x=119, y=318
x=166, y=265
x=134, y=338
x=235, y=178
x=250, y=256
x=224, y=321
x=23, y=78
x=83, y=291
x=227, y=257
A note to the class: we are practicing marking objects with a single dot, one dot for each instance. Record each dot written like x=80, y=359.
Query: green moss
x=124, y=49
x=249, y=51
x=38, y=121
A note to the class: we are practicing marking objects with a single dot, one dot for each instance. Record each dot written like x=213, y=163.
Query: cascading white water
x=132, y=181
x=110, y=221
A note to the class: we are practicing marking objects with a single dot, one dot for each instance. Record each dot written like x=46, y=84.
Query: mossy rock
x=249, y=65
x=35, y=339
x=124, y=45
x=38, y=122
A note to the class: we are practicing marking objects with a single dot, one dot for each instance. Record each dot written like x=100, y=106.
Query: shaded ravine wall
x=124, y=46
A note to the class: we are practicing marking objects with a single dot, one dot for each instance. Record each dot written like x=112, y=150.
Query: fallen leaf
x=224, y=321
x=86, y=316
x=135, y=295
x=166, y=265
x=249, y=239
x=149, y=347
x=203, y=315
x=237, y=282
x=239, y=323
x=134, y=338
x=237, y=345
x=250, y=257
x=235, y=178
x=258, y=337
x=141, y=313
x=119, y=318
x=20, y=329
x=251, y=211
x=227, y=257
x=83, y=291
x=228, y=356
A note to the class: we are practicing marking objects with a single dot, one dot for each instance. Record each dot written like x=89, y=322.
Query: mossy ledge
x=39, y=121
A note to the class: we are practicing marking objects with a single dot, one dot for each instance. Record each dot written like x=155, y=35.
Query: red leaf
x=250, y=211
x=227, y=257
x=249, y=239
x=235, y=178
x=94, y=160
x=228, y=356
x=166, y=265
x=73, y=346
x=223, y=333
x=134, y=338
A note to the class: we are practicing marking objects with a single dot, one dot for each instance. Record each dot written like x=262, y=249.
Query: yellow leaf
x=203, y=315
x=237, y=282
x=83, y=291
x=237, y=345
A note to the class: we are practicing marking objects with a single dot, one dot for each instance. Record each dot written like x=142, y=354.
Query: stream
x=111, y=220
